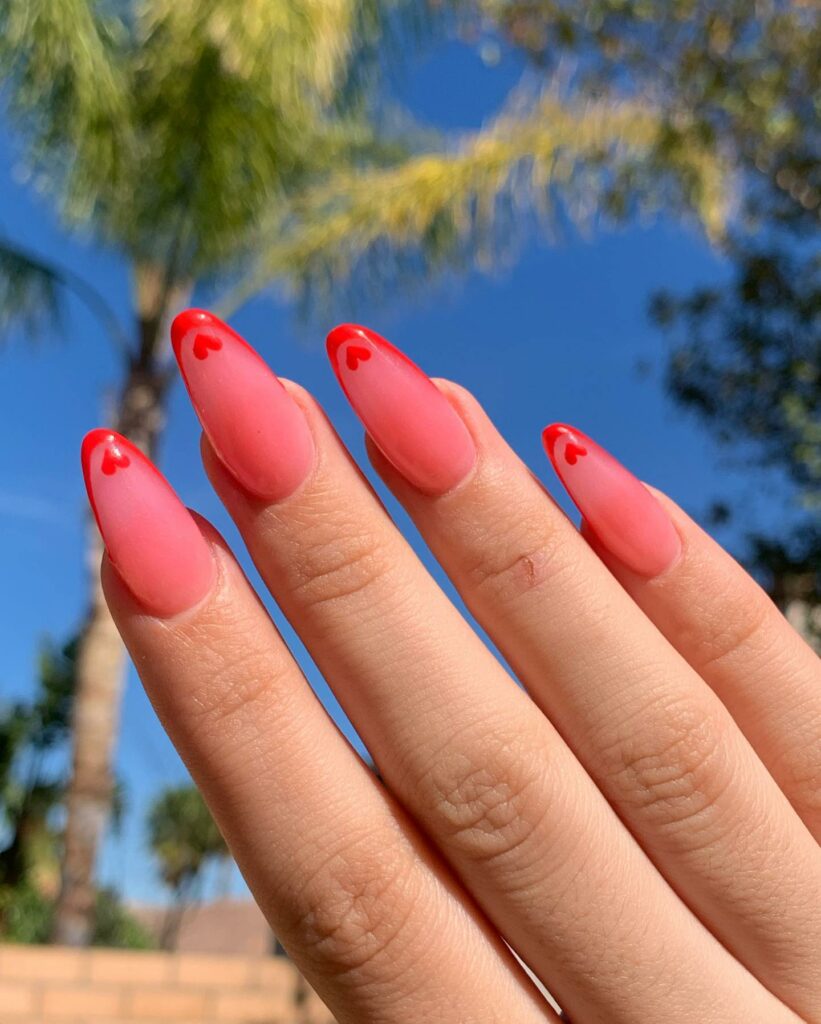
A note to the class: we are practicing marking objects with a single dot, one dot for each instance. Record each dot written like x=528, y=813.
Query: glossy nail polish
x=625, y=517
x=151, y=537
x=410, y=420
x=253, y=424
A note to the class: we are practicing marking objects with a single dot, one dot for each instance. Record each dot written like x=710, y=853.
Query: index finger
x=367, y=911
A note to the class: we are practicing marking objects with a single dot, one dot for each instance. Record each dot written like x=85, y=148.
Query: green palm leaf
x=30, y=293
x=456, y=207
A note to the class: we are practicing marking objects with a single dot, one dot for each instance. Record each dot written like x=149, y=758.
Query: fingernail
x=625, y=517
x=151, y=537
x=256, y=428
x=410, y=420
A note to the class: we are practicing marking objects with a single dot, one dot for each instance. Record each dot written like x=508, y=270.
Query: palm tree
x=167, y=131
x=185, y=840
x=229, y=143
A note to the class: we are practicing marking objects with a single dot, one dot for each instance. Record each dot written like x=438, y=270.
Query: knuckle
x=673, y=767
x=487, y=792
x=518, y=558
x=234, y=678
x=355, y=905
x=508, y=575
x=508, y=572
x=341, y=566
x=799, y=770
x=720, y=638
x=225, y=697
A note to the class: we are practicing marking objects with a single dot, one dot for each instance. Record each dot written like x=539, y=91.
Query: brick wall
x=53, y=985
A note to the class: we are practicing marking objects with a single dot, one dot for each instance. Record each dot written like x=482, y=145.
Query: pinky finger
x=710, y=609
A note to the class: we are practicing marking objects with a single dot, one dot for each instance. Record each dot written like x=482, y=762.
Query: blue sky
x=558, y=335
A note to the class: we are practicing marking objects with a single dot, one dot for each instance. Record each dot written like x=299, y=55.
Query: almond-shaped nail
x=151, y=537
x=410, y=420
x=625, y=517
x=256, y=428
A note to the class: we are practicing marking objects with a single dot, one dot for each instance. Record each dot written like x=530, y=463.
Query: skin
x=640, y=821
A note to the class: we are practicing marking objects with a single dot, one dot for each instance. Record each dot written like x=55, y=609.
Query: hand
x=639, y=823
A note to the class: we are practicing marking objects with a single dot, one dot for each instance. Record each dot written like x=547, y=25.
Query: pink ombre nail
x=151, y=537
x=253, y=424
x=625, y=517
x=413, y=424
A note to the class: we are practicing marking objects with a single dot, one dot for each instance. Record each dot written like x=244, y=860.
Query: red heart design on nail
x=114, y=459
x=203, y=343
x=356, y=354
x=572, y=452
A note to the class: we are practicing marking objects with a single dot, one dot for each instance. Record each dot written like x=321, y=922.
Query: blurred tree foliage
x=27, y=915
x=642, y=101
x=115, y=926
x=546, y=158
x=33, y=746
x=742, y=80
x=185, y=840
x=31, y=784
x=747, y=359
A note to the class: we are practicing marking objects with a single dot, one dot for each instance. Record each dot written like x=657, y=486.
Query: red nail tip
x=573, y=452
x=112, y=462
x=254, y=425
x=347, y=332
x=406, y=415
x=187, y=321
x=114, y=456
x=622, y=513
x=355, y=354
x=203, y=345
x=573, y=449
x=150, y=536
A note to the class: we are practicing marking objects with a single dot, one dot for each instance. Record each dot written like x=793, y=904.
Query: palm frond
x=169, y=128
x=235, y=104
x=553, y=157
x=65, y=82
x=30, y=293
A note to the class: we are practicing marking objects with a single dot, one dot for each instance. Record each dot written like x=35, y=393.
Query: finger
x=653, y=736
x=479, y=767
x=733, y=635
x=370, y=916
